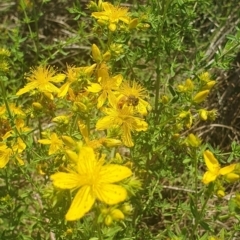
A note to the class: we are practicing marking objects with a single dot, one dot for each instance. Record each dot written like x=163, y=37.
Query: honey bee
x=128, y=100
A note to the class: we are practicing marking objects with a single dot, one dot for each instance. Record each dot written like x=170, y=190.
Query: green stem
x=163, y=11
x=200, y=215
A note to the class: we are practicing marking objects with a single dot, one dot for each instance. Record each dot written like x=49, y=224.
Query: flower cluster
x=12, y=133
x=115, y=17
x=119, y=106
x=187, y=90
x=89, y=110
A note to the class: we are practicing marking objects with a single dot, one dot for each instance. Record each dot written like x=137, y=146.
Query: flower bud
x=117, y=214
x=231, y=177
x=71, y=155
x=106, y=56
x=209, y=85
x=176, y=136
x=193, y=140
x=112, y=27
x=37, y=105
x=203, y=114
x=133, y=23
x=61, y=119
x=127, y=208
x=102, y=22
x=164, y=99
x=111, y=142
x=68, y=141
x=96, y=54
x=201, y=96
x=108, y=220
x=78, y=106
x=220, y=193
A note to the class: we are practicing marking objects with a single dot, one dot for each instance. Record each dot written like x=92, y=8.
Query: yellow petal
x=65, y=180
x=140, y=124
x=118, y=80
x=227, y=169
x=112, y=99
x=211, y=161
x=45, y=141
x=48, y=88
x=208, y=177
x=105, y=123
x=86, y=161
x=114, y=173
x=58, y=78
x=111, y=193
x=142, y=107
x=5, y=154
x=30, y=86
x=94, y=87
x=64, y=89
x=81, y=204
x=20, y=145
x=101, y=99
x=127, y=137
x=20, y=161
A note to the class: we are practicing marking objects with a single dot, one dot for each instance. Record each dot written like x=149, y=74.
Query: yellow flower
x=54, y=142
x=13, y=109
x=106, y=85
x=123, y=118
x=19, y=126
x=214, y=169
x=111, y=15
x=6, y=152
x=96, y=182
x=135, y=95
x=75, y=74
x=40, y=78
